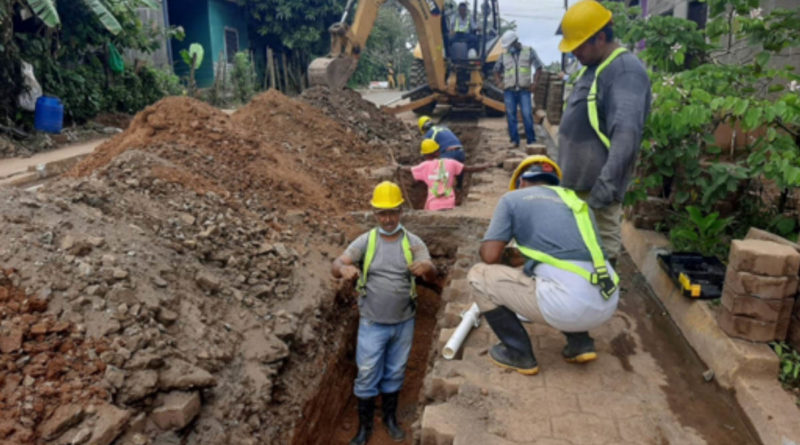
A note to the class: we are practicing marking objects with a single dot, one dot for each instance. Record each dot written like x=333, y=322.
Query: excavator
x=445, y=71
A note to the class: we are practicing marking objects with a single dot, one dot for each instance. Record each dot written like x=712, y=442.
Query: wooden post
x=271, y=66
x=285, y=73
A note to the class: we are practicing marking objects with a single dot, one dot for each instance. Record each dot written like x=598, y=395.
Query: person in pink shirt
x=439, y=174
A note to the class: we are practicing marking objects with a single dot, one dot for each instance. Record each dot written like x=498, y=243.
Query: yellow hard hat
x=428, y=146
x=421, y=123
x=387, y=195
x=581, y=21
x=527, y=162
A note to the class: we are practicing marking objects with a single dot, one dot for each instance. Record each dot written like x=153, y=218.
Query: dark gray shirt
x=623, y=102
x=388, y=290
x=537, y=218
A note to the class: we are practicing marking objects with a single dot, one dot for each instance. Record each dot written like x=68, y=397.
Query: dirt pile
x=373, y=126
x=197, y=246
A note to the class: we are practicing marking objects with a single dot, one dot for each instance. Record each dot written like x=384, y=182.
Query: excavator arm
x=348, y=41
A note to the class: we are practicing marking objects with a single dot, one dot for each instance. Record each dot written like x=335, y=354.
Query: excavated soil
x=181, y=275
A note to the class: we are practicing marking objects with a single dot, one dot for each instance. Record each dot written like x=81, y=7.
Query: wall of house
x=193, y=16
x=152, y=19
x=223, y=15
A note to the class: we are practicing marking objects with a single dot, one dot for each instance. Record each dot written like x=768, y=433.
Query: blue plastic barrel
x=49, y=114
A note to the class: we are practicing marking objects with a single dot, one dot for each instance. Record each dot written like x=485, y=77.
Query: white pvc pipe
x=469, y=319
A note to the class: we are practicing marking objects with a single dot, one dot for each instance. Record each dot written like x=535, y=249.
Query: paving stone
x=439, y=423
x=640, y=429
x=178, y=409
x=754, y=233
x=764, y=258
x=624, y=406
x=746, y=283
x=784, y=319
x=585, y=429
x=746, y=328
x=793, y=336
x=762, y=309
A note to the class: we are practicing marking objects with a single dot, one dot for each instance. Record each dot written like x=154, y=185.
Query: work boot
x=514, y=350
x=389, y=407
x=579, y=348
x=366, y=410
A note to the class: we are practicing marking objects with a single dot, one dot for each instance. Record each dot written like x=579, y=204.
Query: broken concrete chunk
x=138, y=385
x=109, y=422
x=10, y=341
x=207, y=281
x=178, y=374
x=263, y=347
x=166, y=316
x=178, y=409
x=64, y=417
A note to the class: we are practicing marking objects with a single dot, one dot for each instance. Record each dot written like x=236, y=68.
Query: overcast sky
x=537, y=21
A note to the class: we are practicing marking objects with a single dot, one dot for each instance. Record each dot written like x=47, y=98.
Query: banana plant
x=46, y=11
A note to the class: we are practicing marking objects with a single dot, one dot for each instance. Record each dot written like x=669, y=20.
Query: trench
x=330, y=416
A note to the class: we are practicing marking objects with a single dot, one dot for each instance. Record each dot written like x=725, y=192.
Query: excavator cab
x=449, y=67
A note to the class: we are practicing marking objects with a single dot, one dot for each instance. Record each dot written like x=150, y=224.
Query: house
x=219, y=25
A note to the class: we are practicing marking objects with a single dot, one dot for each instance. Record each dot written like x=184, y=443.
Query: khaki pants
x=498, y=285
x=609, y=226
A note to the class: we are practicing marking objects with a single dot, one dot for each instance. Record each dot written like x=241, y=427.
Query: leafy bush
x=243, y=77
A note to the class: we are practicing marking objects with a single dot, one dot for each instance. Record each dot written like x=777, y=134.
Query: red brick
x=746, y=283
x=751, y=306
x=764, y=258
x=745, y=328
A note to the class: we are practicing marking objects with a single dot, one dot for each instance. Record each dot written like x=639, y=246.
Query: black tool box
x=697, y=276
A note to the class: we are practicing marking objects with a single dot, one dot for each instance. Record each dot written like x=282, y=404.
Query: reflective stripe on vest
x=441, y=179
x=600, y=277
x=461, y=25
x=591, y=99
x=517, y=72
x=372, y=244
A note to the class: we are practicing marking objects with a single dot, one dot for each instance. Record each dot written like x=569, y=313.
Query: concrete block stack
x=758, y=296
x=555, y=101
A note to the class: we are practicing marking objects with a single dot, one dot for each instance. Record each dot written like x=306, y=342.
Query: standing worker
x=390, y=75
x=401, y=81
x=515, y=67
x=391, y=257
x=566, y=282
x=601, y=128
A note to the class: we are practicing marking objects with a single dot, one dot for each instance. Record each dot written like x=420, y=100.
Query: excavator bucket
x=331, y=72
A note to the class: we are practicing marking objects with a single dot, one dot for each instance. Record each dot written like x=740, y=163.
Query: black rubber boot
x=514, y=350
x=389, y=407
x=579, y=348
x=366, y=411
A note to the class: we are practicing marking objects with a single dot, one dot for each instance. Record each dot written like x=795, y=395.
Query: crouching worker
x=390, y=259
x=566, y=281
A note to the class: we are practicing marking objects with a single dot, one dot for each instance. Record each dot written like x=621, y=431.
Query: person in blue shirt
x=451, y=147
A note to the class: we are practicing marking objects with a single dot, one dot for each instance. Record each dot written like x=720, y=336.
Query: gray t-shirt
x=623, y=102
x=388, y=290
x=537, y=218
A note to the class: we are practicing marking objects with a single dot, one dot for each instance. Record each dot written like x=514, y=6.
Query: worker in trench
x=440, y=174
x=565, y=282
x=391, y=259
x=603, y=121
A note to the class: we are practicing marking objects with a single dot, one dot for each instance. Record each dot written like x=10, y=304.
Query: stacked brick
x=555, y=101
x=758, y=296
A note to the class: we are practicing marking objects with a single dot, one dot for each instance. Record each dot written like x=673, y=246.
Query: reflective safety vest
x=600, y=277
x=461, y=25
x=440, y=181
x=372, y=243
x=448, y=140
x=591, y=99
x=517, y=70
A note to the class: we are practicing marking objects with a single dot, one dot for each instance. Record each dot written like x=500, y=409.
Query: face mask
x=386, y=233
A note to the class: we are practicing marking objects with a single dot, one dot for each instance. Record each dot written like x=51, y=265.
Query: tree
x=391, y=41
x=106, y=11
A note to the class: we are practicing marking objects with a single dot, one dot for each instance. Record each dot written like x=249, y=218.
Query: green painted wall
x=192, y=15
x=225, y=14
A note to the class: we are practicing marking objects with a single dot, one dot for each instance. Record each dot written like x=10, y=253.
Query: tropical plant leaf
x=46, y=11
x=104, y=15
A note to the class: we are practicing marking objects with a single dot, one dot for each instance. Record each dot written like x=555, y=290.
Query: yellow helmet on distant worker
x=527, y=162
x=387, y=195
x=428, y=146
x=423, y=123
x=581, y=21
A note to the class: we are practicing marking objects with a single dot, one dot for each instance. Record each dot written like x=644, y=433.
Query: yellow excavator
x=449, y=68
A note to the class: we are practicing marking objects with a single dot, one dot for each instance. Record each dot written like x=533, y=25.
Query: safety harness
x=440, y=180
x=369, y=255
x=591, y=99
x=600, y=277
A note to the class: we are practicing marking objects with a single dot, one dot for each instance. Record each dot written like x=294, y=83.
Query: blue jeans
x=523, y=98
x=381, y=355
